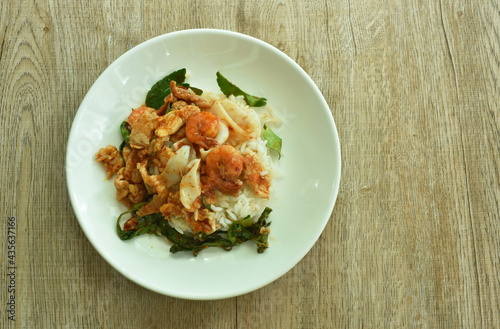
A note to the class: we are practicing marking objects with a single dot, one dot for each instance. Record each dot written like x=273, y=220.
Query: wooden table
x=414, y=239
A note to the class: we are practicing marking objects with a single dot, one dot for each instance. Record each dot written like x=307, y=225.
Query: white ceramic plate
x=303, y=199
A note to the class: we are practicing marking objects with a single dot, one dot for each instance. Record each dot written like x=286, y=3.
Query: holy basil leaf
x=195, y=244
x=245, y=222
x=229, y=88
x=239, y=232
x=145, y=225
x=125, y=131
x=135, y=208
x=161, y=89
x=264, y=216
x=261, y=232
x=205, y=203
x=197, y=91
x=121, y=147
x=257, y=232
x=273, y=141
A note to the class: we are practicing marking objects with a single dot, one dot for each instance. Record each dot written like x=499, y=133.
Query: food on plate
x=196, y=167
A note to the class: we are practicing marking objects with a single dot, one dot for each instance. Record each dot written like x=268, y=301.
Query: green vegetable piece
x=197, y=91
x=273, y=141
x=262, y=234
x=264, y=216
x=196, y=243
x=121, y=147
x=161, y=89
x=256, y=232
x=205, y=203
x=239, y=232
x=245, y=222
x=125, y=131
x=229, y=88
x=145, y=225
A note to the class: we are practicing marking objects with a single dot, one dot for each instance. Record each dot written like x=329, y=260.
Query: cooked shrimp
x=142, y=124
x=256, y=177
x=188, y=96
x=224, y=165
x=111, y=159
x=202, y=128
x=138, y=113
x=171, y=122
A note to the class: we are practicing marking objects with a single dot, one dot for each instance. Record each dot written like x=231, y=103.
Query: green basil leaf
x=125, y=131
x=197, y=91
x=229, y=88
x=245, y=222
x=121, y=147
x=205, y=203
x=195, y=244
x=146, y=225
x=238, y=233
x=273, y=141
x=156, y=95
x=264, y=216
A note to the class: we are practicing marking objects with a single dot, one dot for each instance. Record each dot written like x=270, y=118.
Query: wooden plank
x=414, y=239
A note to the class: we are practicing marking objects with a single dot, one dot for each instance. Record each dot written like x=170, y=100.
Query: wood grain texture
x=414, y=239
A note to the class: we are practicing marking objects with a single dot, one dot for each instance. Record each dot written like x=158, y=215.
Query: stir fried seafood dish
x=196, y=167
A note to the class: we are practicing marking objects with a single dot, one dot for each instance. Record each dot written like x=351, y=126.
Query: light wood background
x=414, y=239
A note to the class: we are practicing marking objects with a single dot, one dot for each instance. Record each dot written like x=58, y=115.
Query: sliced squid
x=176, y=166
x=223, y=133
x=245, y=117
x=180, y=143
x=190, y=187
x=242, y=120
x=204, y=153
